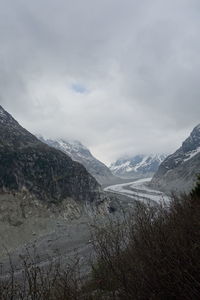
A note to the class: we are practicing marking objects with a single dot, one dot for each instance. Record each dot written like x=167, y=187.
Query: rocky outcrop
x=28, y=165
x=179, y=171
x=78, y=152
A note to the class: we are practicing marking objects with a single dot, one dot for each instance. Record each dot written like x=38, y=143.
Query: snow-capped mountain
x=137, y=166
x=178, y=172
x=78, y=152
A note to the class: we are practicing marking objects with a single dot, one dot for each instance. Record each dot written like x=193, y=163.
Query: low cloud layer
x=121, y=76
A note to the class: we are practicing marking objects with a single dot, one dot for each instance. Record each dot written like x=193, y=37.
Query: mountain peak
x=6, y=118
x=2, y=111
x=179, y=170
x=192, y=142
x=137, y=166
x=12, y=133
x=197, y=127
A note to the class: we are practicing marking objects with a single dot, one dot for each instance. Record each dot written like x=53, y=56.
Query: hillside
x=178, y=172
x=78, y=152
x=29, y=165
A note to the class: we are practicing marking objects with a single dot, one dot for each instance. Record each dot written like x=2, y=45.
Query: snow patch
x=121, y=166
x=136, y=164
x=192, y=153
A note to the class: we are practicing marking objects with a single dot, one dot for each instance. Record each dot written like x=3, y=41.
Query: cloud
x=121, y=76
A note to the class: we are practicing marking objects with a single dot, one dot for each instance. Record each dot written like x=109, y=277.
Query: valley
x=61, y=240
x=53, y=193
x=138, y=190
x=99, y=150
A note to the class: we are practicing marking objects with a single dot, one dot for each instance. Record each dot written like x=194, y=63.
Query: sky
x=122, y=76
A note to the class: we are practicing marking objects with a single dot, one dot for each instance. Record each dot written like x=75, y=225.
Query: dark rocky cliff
x=27, y=164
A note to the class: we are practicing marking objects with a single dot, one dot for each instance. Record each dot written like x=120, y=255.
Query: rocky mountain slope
x=78, y=152
x=44, y=195
x=178, y=172
x=137, y=166
x=28, y=165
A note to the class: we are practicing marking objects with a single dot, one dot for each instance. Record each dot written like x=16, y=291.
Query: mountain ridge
x=179, y=171
x=137, y=166
x=29, y=165
x=79, y=152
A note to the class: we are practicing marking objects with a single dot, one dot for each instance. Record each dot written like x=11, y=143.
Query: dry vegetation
x=47, y=282
x=153, y=254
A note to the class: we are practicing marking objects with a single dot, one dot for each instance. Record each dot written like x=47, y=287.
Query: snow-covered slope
x=137, y=166
x=78, y=152
x=179, y=171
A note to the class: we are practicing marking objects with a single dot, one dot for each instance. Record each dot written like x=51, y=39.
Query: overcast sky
x=122, y=76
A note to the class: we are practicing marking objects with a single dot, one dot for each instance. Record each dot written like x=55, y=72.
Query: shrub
x=153, y=255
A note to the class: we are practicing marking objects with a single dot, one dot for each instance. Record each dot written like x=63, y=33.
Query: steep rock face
x=179, y=171
x=137, y=166
x=78, y=152
x=27, y=164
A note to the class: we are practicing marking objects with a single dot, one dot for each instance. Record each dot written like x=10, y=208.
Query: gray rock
x=27, y=164
x=178, y=172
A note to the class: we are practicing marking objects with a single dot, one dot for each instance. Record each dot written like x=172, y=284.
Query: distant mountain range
x=178, y=172
x=137, y=166
x=78, y=152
